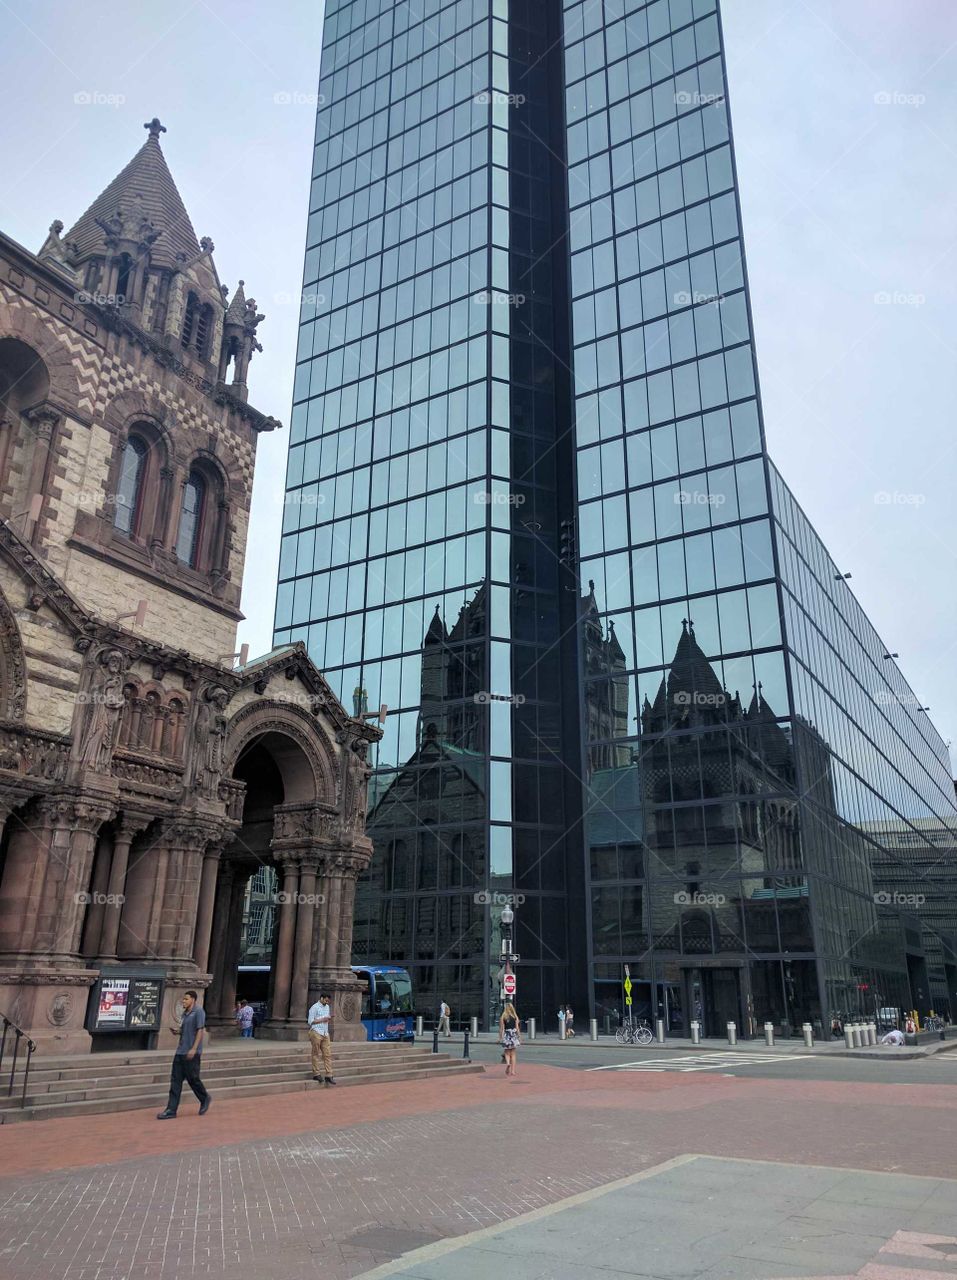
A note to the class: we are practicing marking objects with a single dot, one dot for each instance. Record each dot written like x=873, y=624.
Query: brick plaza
x=332, y=1184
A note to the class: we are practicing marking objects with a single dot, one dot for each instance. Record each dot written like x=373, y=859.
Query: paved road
x=750, y=1062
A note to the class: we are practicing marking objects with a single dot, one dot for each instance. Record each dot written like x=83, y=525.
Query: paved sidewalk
x=693, y=1218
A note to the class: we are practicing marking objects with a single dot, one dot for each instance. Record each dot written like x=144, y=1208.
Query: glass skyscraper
x=529, y=507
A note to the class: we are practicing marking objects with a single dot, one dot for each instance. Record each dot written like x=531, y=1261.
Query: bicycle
x=635, y=1033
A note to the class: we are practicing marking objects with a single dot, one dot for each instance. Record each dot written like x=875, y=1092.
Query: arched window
x=191, y=518
x=189, y=321
x=204, y=331
x=129, y=489
x=124, y=279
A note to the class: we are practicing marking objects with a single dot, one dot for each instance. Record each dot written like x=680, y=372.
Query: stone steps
x=91, y=1071
x=72, y=1087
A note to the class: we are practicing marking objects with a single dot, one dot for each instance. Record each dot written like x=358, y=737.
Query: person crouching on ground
x=318, y=1020
x=510, y=1036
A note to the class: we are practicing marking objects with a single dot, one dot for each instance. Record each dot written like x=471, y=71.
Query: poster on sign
x=114, y=994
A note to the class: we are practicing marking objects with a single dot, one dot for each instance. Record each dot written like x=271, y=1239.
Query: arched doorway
x=282, y=921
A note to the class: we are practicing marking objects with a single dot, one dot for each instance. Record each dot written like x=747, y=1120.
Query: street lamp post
x=508, y=957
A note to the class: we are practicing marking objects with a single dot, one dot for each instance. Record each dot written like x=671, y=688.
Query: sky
x=845, y=121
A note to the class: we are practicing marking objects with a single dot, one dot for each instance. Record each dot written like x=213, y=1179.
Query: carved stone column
x=126, y=829
x=139, y=891
x=179, y=881
x=96, y=907
x=282, y=988
x=234, y=928
x=333, y=973
x=305, y=932
x=217, y=946
x=71, y=826
x=43, y=420
x=207, y=897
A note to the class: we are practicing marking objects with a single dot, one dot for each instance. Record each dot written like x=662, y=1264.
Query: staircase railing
x=19, y=1034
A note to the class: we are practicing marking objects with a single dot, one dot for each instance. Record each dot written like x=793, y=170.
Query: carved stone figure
x=209, y=736
x=106, y=702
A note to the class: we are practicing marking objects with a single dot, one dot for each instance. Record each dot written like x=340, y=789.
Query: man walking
x=444, y=1012
x=186, y=1060
x=318, y=1019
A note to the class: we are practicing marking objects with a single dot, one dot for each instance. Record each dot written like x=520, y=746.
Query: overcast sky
x=844, y=116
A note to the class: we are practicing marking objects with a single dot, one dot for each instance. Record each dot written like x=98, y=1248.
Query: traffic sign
x=628, y=988
x=508, y=984
x=627, y=999
x=510, y=957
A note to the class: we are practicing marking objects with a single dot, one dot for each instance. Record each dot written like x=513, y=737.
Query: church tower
x=144, y=777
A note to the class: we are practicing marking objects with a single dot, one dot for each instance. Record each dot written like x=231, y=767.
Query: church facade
x=144, y=775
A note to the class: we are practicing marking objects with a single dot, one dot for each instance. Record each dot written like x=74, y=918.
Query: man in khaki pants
x=318, y=1021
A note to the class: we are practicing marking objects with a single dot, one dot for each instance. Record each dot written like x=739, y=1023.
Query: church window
x=129, y=490
x=189, y=321
x=190, y=519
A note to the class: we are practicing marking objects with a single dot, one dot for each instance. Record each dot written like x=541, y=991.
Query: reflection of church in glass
x=423, y=901
x=417, y=905
x=711, y=842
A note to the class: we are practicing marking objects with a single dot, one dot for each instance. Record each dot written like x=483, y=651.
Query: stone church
x=145, y=775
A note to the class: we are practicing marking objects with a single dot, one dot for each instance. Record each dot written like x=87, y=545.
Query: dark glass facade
x=530, y=508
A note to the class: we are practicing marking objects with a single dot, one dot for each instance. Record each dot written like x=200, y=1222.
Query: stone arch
x=13, y=671
x=30, y=329
x=319, y=780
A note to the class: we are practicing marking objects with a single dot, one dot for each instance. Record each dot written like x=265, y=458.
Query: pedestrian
x=186, y=1060
x=561, y=1022
x=509, y=1036
x=318, y=1018
x=444, y=1014
x=245, y=1018
x=569, y=1021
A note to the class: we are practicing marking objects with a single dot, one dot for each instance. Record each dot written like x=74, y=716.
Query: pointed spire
x=142, y=194
x=236, y=311
x=436, y=631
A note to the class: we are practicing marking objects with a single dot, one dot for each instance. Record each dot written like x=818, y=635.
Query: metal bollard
x=696, y=1033
x=848, y=1036
x=871, y=1033
x=660, y=1030
x=419, y=1027
x=561, y=1028
x=474, y=1026
x=732, y=1033
x=465, y=1048
x=607, y=1025
x=808, y=1032
x=856, y=1035
x=769, y=1034
x=531, y=1028
x=435, y=1040
x=593, y=1028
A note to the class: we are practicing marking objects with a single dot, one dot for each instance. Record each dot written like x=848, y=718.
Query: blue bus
x=386, y=1001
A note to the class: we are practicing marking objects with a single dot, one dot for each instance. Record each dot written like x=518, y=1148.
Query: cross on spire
x=155, y=128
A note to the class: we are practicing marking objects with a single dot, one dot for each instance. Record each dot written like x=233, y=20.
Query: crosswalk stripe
x=702, y=1062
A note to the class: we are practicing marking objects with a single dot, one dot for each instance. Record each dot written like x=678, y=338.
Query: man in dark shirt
x=186, y=1060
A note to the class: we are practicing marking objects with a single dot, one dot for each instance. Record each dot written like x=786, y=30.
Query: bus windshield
x=393, y=993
